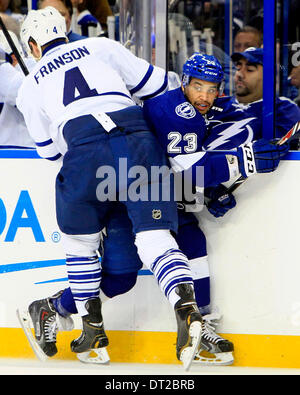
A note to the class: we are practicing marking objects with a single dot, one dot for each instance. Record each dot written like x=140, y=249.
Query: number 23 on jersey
x=179, y=143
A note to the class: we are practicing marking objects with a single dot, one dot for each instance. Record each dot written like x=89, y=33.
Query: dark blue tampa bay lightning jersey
x=181, y=131
x=179, y=127
x=187, y=136
x=231, y=124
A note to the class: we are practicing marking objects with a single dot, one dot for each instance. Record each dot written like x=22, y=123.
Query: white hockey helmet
x=5, y=45
x=43, y=26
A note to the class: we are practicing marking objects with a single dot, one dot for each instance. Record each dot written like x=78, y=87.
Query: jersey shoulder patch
x=185, y=110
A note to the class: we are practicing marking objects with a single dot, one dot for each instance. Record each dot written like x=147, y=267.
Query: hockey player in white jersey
x=13, y=131
x=119, y=250
x=77, y=106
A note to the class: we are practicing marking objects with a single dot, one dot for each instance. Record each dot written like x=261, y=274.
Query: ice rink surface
x=62, y=367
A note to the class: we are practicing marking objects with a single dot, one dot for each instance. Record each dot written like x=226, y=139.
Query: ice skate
x=214, y=349
x=189, y=325
x=90, y=345
x=42, y=317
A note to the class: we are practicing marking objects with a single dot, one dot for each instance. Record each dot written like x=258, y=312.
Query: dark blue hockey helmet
x=204, y=67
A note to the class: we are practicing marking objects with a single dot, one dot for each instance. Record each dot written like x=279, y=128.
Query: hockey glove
x=220, y=201
x=4, y=57
x=261, y=156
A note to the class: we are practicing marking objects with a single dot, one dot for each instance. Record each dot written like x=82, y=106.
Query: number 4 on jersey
x=76, y=87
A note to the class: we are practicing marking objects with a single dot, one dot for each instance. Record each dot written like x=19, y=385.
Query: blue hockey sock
x=64, y=304
x=202, y=294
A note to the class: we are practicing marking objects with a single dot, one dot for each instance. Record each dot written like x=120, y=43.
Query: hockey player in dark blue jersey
x=177, y=118
x=174, y=118
x=222, y=119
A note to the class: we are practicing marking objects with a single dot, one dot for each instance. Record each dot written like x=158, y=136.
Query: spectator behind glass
x=84, y=20
x=11, y=23
x=295, y=76
x=13, y=8
x=295, y=81
x=247, y=37
x=4, y=5
x=101, y=10
x=65, y=10
x=10, y=6
x=248, y=82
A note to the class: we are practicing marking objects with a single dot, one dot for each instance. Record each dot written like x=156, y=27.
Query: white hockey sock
x=83, y=267
x=159, y=251
x=171, y=269
x=84, y=274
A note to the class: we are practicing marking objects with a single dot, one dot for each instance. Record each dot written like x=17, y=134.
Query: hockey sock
x=158, y=250
x=202, y=295
x=84, y=274
x=170, y=270
x=200, y=273
x=111, y=285
x=65, y=304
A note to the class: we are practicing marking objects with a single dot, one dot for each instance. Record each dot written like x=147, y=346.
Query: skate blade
x=187, y=355
x=217, y=359
x=26, y=324
x=96, y=355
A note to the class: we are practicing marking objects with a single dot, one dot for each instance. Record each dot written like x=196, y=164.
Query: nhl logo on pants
x=156, y=214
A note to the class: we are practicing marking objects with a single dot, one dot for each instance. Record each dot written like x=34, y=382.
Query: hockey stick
x=13, y=47
x=295, y=129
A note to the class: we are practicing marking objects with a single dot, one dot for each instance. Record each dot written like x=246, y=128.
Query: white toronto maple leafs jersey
x=79, y=78
x=13, y=131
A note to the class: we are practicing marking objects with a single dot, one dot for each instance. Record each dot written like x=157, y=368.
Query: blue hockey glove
x=220, y=201
x=4, y=57
x=262, y=156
